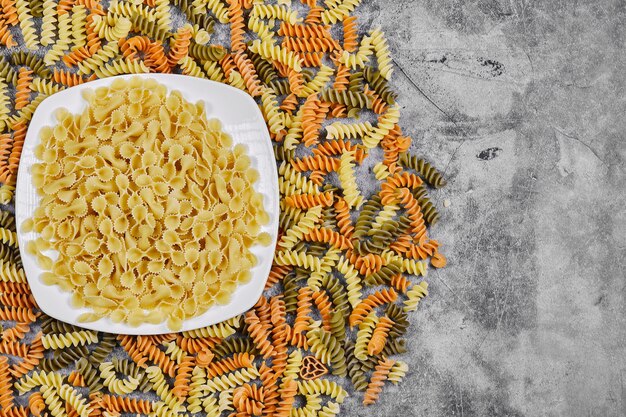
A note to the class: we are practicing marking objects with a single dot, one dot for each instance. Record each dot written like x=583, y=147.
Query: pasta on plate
x=150, y=208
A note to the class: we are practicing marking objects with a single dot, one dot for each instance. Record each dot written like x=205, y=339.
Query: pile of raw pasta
x=348, y=266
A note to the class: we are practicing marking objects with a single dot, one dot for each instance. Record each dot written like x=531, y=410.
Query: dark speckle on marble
x=489, y=153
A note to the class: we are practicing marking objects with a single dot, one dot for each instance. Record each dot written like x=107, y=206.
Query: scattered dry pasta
x=351, y=262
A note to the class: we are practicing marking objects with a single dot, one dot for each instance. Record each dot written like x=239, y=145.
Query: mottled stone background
x=521, y=103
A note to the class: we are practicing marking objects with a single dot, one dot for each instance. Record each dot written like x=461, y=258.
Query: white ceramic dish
x=240, y=117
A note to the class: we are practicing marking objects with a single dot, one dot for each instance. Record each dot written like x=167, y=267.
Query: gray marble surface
x=521, y=102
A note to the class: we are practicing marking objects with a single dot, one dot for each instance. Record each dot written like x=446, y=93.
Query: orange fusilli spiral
x=179, y=46
x=31, y=360
x=76, y=56
x=342, y=78
x=314, y=16
x=13, y=299
x=228, y=64
x=204, y=358
x=129, y=343
x=36, y=403
x=15, y=333
x=365, y=264
x=316, y=163
x=259, y=334
x=14, y=348
x=22, y=94
x=374, y=388
x=237, y=25
x=379, y=106
x=76, y=379
x=6, y=38
x=289, y=104
x=248, y=73
x=324, y=306
x=349, y=34
x=296, y=82
x=248, y=399
x=379, y=336
x=303, y=310
x=193, y=345
x=311, y=59
x=131, y=46
x=287, y=398
x=9, y=12
x=304, y=201
x=14, y=288
x=18, y=143
x=6, y=384
x=400, y=283
x=277, y=273
x=90, y=4
x=155, y=58
x=64, y=6
x=183, y=376
x=269, y=380
x=156, y=355
x=6, y=143
x=369, y=303
x=344, y=221
x=17, y=314
x=304, y=31
x=404, y=179
x=262, y=310
x=338, y=146
x=126, y=404
x=329, y=236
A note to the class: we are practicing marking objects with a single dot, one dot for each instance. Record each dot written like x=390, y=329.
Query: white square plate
x=241, y=118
